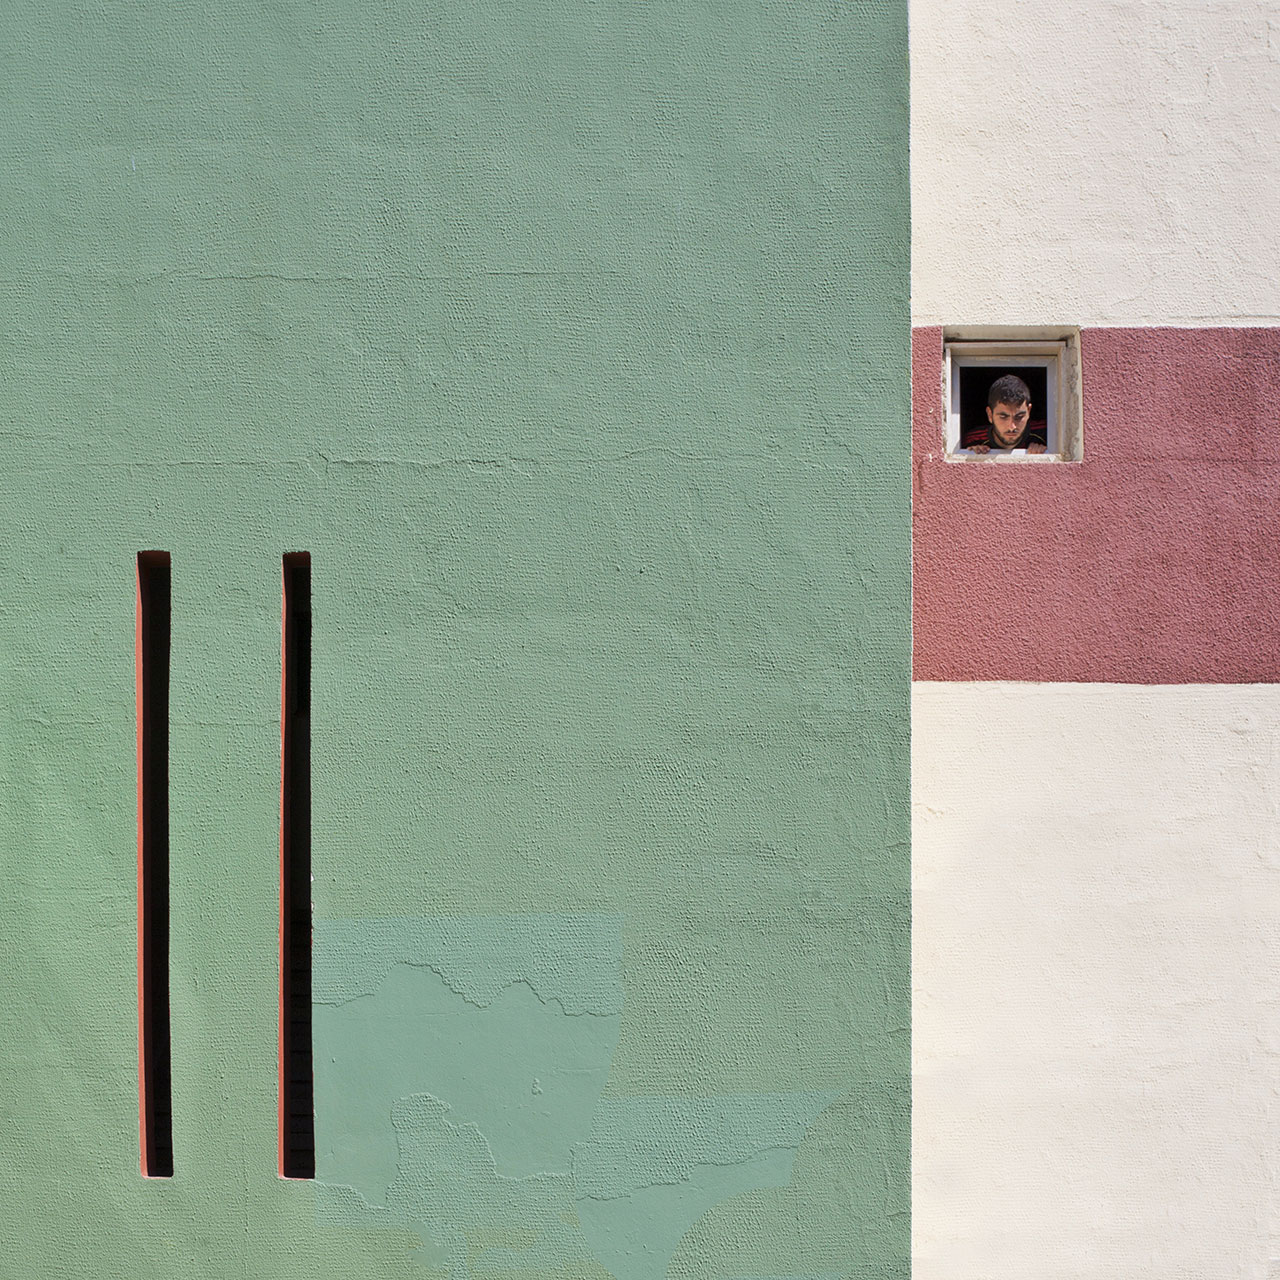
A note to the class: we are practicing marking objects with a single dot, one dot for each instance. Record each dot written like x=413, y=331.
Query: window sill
x=1005, y=456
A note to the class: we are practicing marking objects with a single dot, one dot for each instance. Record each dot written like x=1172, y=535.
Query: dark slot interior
x=155, y=1078
x=297, y=1117
x=975, y=383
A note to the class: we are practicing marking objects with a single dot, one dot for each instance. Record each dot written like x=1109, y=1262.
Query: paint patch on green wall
x=512, y=1022
x=460, y=1097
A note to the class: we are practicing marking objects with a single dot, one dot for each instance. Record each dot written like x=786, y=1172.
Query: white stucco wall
x=1095, y=161
x=1096, y=1017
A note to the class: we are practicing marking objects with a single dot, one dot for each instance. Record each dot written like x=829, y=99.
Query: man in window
x=1009, y=424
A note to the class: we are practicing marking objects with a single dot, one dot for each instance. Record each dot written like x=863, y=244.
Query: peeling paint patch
x=459, y=1071
x=653, y=1166
x=573, y=959
x=510, y=1021
x=447, y=1189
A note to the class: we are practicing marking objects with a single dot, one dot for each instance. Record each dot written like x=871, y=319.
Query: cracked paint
x=460, y=1065
x=653, y=1166
x=573, y=960
x=412, y=1006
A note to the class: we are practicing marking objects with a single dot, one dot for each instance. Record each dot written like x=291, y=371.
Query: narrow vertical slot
x=152, y=660
x=297, y=1117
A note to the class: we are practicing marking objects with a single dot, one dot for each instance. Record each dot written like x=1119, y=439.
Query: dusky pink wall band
x=1156, y=560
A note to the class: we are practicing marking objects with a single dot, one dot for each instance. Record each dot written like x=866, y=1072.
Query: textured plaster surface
x=1154, y=561
x=567, y=1178
x=1096, y=961
x=571, y=340
x=1095, y=162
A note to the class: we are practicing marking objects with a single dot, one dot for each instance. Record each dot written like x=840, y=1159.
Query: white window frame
x=1057, y=355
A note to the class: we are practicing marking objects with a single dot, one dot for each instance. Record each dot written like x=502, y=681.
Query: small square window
x=1045, y=362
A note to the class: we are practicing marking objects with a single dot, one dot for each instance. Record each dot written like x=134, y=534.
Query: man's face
x=1008, y=422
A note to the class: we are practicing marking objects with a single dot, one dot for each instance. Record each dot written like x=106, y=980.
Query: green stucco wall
x=572, y=341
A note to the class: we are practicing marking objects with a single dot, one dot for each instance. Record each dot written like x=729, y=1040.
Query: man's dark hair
x=1010, y=390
